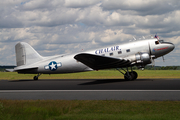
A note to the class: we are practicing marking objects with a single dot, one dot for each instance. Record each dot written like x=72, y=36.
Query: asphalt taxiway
x=91, y=89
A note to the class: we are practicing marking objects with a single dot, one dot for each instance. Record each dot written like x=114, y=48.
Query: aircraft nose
x=171, y=46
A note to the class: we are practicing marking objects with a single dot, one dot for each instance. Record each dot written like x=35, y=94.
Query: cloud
x=10, y=22
x=67, y=26
x=143, y=7
x=80, y=3
x=32, y=5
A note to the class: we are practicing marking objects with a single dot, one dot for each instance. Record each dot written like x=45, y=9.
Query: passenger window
x=128, y=50
x=110, y=54
x=156, y=42
x=119, y=52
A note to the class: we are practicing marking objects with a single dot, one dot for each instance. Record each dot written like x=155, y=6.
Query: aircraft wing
x=98, y=62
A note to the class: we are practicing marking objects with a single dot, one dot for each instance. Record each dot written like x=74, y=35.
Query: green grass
x=102, y=74
x=88, y=110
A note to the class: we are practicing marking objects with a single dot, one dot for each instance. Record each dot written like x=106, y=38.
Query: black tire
x=128, y=78
x=35, y=78
x=135, y=75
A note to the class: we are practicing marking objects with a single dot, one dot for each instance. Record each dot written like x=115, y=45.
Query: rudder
x=25, y=54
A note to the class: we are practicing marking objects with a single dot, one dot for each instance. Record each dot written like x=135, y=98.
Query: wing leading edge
x=98, y=62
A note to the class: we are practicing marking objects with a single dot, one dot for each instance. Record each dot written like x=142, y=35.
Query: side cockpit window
x=128, y=50
x=156, y=42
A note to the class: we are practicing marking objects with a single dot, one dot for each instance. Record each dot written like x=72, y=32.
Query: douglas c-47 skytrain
x=120, y=57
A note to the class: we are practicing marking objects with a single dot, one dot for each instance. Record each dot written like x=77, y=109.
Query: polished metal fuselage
x=130, y=51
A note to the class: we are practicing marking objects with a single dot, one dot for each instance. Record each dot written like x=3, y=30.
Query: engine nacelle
x=142, y=59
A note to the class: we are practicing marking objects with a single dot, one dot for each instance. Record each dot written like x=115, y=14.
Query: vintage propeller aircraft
x=136, y=53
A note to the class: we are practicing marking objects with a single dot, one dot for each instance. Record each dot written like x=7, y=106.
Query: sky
x=55, y=27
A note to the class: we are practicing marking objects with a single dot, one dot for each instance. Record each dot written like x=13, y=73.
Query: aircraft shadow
x=29, y=80
x=24, y=80
x=90, y=81
x=103, y=81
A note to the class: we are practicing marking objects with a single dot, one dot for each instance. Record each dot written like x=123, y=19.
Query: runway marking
x=7, y=91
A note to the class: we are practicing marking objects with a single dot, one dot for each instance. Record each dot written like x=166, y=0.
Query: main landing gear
x=128, y=75
x=36, y=77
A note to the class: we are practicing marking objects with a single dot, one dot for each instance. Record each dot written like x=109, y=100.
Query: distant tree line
x=2, y=68
x=148, y=67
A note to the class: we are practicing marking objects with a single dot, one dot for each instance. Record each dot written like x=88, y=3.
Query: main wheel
x=132, y=76
x=128, y=77
x=35, y=78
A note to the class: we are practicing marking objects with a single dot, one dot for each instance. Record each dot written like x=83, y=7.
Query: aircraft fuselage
x=139, y=53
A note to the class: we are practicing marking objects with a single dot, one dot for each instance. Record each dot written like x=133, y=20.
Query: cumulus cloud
x=143, y=7
x=80, y=3
x=66, y=26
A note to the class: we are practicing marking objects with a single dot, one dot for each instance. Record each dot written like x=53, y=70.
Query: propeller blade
x=153, y=62
x=163, y=58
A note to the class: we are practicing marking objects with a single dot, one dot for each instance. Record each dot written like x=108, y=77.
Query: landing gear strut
x=128, y=75
x=36, y=77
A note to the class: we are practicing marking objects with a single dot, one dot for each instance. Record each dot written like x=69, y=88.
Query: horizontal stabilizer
x=98, y=62
x=30, y=70
x=9, y=70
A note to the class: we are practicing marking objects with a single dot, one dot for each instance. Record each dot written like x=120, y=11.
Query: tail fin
x=25, y=54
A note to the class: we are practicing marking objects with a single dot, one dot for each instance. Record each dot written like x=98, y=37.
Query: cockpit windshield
x=159, y=42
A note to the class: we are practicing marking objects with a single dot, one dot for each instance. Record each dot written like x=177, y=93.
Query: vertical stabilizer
x=25, y=54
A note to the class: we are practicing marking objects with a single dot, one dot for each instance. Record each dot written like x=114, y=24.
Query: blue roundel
x=154, y=50
x=53, y=66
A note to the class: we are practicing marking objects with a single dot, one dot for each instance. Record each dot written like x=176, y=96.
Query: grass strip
x=88, y=110
x=102, y=74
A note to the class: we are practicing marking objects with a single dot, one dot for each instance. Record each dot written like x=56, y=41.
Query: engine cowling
x=142, y=59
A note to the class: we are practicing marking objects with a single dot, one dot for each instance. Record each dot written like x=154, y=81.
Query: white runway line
x=7, y=91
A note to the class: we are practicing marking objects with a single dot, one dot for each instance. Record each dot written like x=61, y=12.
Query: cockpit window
x=156, y=42
x=161, y=41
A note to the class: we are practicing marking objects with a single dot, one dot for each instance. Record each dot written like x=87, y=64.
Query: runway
x=91, y=89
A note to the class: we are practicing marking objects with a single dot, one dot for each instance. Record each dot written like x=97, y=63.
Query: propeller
x=163, y=58
x=153, y=61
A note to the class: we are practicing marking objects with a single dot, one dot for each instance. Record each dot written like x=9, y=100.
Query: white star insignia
x=52, y=66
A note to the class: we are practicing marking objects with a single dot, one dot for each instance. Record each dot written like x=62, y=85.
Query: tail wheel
x=35, y=78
